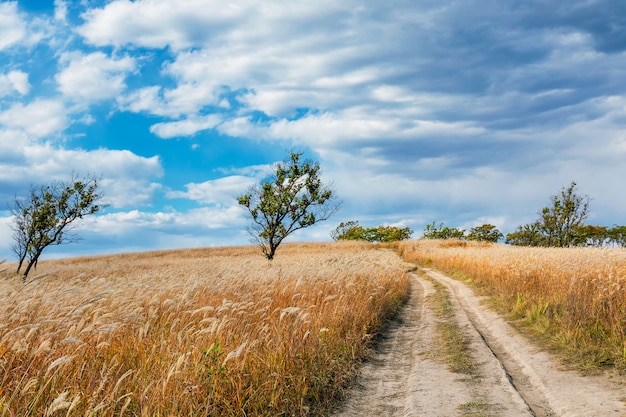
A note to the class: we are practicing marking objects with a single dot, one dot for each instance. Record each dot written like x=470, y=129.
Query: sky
x=462, y=112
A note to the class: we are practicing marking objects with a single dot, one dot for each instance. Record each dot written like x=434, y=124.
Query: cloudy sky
x=463, y=112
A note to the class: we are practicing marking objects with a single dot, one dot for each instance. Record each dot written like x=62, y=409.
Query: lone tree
x=293, y=198
x=561, y=224
x=45, y=217
x=562, y=220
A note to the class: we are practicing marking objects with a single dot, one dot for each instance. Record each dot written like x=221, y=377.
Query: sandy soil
x=513, y=378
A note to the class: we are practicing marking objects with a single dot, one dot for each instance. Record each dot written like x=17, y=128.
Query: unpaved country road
x=512, y=378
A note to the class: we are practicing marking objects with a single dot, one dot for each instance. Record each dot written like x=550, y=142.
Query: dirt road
x=510, y=378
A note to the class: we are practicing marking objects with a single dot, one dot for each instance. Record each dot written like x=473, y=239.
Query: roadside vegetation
x=452, y=346
x=573, y=298
x=193, y=332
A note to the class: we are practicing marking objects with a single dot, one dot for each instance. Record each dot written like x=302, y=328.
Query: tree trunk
x=19, y=266
x=27, y=270
x=31, y=263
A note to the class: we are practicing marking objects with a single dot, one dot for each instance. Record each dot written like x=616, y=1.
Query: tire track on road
x=404, y=378
x=548, y=390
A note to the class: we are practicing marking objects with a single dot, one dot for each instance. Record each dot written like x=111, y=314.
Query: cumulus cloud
x=156, y=23
x=5, y=232
x=12, y=26
x=39, y=118
x=449, y=111
x=14, y=82
x=222, y=191
x=127, y=179
x=60, y=10
x=94, y=76
x=186, y=127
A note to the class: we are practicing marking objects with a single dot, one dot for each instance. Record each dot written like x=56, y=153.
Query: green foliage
x=561, y=224
x=526, y=235
x=561, y=220
x=431, y=231
x=484, y=233
x=597, y=236
x=601, y=236
x=213, y=360
x=350, y=230
x=292, y=199
x=353, y=231
x=44, y=217
x=617, y=235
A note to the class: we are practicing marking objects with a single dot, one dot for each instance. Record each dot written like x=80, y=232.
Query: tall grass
x=192, y=332
x=574, y=297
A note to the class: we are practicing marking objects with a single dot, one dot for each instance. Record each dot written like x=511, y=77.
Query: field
x=574, y=299
x=193, y=332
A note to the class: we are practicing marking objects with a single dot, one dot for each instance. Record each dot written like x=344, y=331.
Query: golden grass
x=574, y=297
x=193, y=332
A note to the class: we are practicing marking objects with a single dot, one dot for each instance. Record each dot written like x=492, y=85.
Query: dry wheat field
x=573, y=298
x=193, y=332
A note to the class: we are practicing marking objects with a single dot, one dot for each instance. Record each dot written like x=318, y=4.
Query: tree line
x=291, y=199
x=560, y=224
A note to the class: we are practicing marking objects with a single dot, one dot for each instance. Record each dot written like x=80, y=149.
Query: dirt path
x=511, y=378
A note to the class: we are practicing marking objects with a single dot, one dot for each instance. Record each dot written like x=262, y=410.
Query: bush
x=353, y=231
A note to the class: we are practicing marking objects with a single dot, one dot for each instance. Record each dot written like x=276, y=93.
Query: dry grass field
x=574, y=298
x=192, y=332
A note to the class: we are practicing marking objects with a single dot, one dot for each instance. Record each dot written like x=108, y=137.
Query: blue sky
x=465, y=113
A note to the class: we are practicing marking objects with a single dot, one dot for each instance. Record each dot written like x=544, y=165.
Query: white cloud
x=60, y=10
x=361, y=126
x=6, y=240
x=186, y=127
x=136, y=230
x=127, y=179
x=281, y=52
x=221, y=192
x=156, y=23
x=14, y=81
x=93, y=76
x=40, y=118
x=12, y=27
x=12, y=143
x=195, y=220
x=184, y=100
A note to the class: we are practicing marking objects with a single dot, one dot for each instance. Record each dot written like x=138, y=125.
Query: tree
x=391, y=233
x=526, y=235
x=562, y=224
x=618, y=235
x=353, y=231
x=484, y=233
x=45, y=217
x=431, y=231
x=350, y=230
x=291, y=199
x=591, y=235
x=566, y=215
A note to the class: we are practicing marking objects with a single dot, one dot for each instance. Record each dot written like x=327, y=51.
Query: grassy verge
x=453, y=347
x=193, y=333
x=572, y=300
